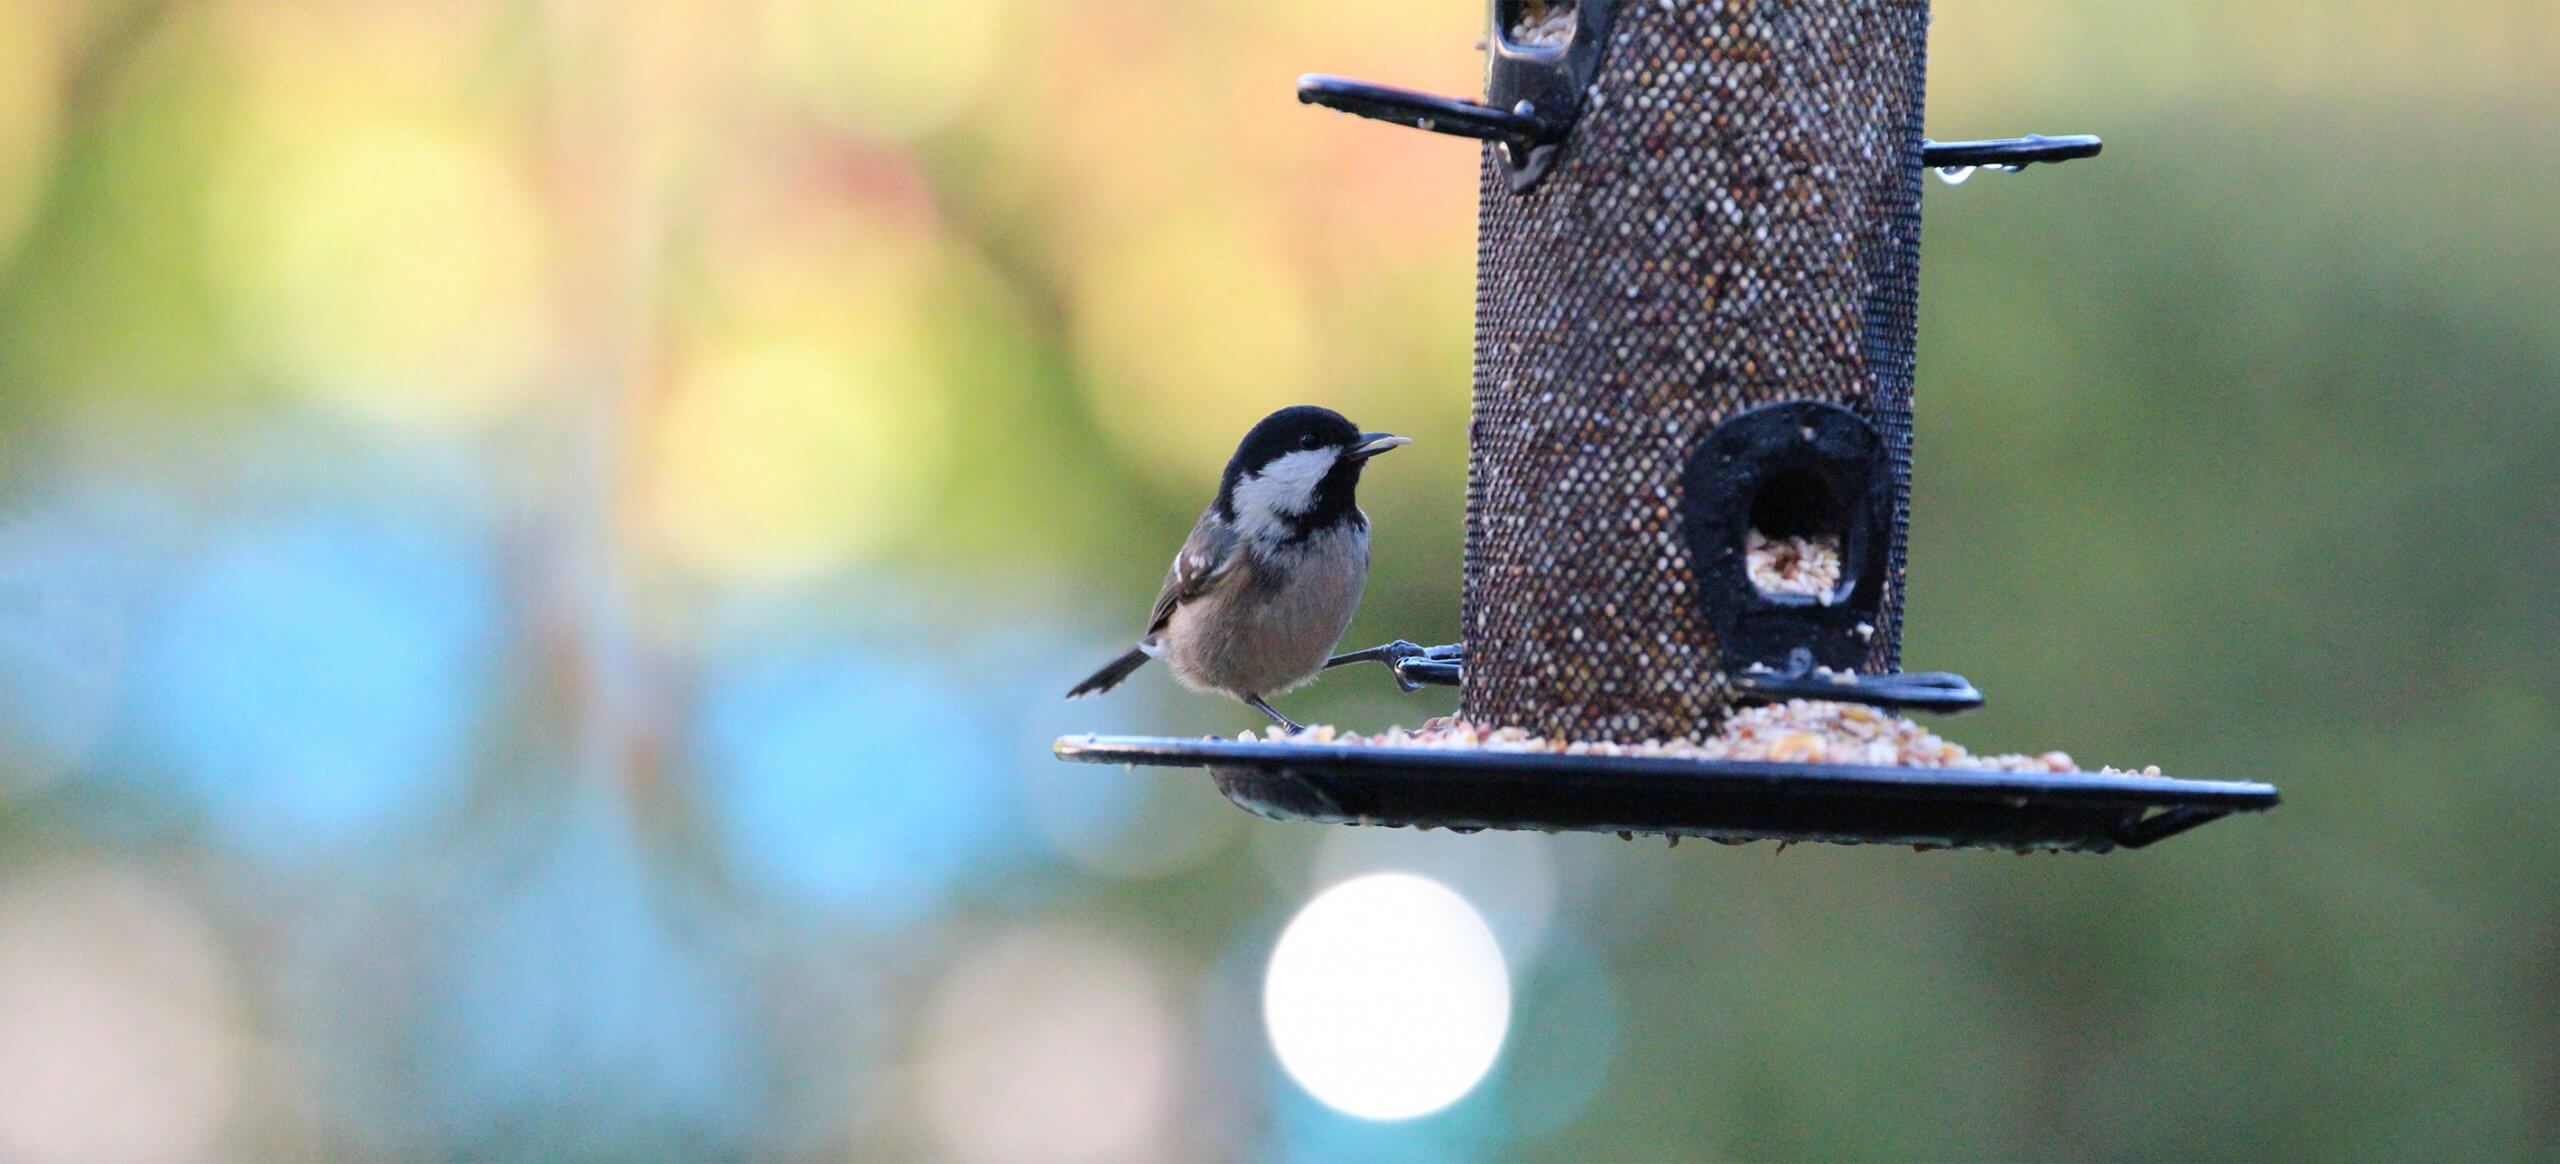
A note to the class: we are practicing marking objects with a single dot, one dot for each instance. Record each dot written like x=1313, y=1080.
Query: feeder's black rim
x=2084, y=788
x=1727, y=799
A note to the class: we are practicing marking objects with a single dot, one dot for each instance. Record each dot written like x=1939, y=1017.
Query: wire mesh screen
x=1736, y=224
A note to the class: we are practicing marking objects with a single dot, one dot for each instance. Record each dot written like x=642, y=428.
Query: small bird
x=1266, y=583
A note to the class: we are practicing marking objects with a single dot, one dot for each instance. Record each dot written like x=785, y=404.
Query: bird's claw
x=1415, y=666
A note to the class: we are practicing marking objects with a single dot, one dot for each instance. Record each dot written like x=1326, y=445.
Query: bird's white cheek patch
x=1285, y=486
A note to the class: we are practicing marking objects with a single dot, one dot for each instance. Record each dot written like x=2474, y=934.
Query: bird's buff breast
x=1271, y=637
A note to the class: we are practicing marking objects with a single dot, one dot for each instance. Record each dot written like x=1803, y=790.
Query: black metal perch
x=2009, y=152
x=1417, y=667
x=1525, y=127
x=1522, y=127
x=1697, y=298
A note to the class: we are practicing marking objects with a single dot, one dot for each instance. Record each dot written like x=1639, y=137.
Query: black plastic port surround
x=1808, y=467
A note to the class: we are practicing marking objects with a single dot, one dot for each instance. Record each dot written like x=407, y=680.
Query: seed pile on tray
x=1544, y=25
x=1799, y=731
x=1794, y=565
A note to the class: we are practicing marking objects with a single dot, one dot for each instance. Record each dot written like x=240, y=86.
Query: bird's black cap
x=1291, y=430
x=1305, y=428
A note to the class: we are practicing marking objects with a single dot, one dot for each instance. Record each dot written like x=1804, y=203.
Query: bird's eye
x=1307, y=441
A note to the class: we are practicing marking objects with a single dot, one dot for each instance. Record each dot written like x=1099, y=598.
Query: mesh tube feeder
x=1696, y=307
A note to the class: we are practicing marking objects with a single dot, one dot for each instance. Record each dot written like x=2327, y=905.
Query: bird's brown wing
x=1207, y=557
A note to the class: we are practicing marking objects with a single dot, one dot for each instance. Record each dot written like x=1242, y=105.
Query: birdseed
x=1808, y=565
x=1831, y=675
x=1798, y=731
x=1543, y=25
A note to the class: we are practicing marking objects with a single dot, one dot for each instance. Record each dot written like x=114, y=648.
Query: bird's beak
x=1373, y=443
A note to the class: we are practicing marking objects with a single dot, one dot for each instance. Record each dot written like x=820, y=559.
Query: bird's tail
x=1111, y=674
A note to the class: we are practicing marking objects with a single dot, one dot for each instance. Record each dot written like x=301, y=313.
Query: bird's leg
x=1287, y=724
x=1413, y=666
x=1388, y=653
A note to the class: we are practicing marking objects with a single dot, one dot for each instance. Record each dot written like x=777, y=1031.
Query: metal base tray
x=1725, y=800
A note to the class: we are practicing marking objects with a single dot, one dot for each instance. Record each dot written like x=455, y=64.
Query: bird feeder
x=1696, y=306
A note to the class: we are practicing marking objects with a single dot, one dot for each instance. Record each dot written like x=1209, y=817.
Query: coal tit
x=1267, y=581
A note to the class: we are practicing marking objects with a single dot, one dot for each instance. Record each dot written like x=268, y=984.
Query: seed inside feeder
x=1806, y=565
x=1799, y=731
x=1547, y=24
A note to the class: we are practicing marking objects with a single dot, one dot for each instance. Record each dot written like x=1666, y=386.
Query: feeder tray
x=1697, y=304
x=1724, y=800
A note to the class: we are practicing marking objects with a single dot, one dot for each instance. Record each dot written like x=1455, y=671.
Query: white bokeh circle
x=1387, y=997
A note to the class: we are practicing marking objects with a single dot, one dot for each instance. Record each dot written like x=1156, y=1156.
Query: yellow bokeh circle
x=396, y=270
x=781, y=455
x=1187, y=334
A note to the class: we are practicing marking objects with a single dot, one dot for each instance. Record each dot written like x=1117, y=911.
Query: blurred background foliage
x=539, y=544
